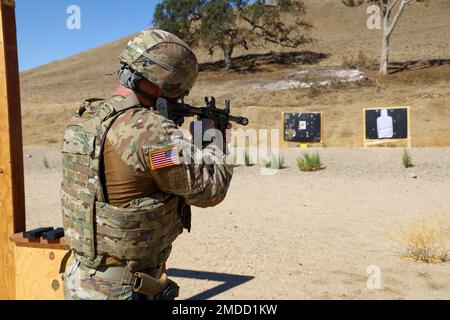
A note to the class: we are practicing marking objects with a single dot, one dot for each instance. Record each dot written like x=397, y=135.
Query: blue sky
x=43, y=35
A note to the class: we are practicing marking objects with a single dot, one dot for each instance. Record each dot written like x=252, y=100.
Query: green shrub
x=407, y=159
x=309, y=162
x=276, y=161
x=248, y=159
x=231, y=159
x=46, y=163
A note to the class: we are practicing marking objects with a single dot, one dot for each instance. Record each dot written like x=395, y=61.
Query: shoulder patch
x=163, y=158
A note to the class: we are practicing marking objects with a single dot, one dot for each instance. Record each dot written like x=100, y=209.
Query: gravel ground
x=297, y=235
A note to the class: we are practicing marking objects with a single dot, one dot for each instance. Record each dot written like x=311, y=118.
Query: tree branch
x=273, y=36
x=393, y=4
x=397, y=16
x=383, y=6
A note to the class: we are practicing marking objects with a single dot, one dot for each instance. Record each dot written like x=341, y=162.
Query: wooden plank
x=20, y=241
x=409, y=128
x=38, y=275
x=283, y=143
x=364, y=129
x=12, y=205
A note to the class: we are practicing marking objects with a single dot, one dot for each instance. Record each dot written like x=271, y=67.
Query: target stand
x=302, y=129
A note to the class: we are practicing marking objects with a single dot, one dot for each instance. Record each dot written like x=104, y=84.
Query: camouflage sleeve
x=133, y=130
x=201, y=177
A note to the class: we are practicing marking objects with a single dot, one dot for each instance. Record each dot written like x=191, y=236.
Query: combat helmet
x=163, y=59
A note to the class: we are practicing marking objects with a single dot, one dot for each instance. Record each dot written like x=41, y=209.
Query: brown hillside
x=51, y=92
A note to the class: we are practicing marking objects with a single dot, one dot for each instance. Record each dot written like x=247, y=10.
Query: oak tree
x=229, y=24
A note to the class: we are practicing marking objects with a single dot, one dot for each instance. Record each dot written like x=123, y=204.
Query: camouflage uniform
x=137, y=235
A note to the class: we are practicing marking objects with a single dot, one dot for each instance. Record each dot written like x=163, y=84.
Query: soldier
x=129, y=180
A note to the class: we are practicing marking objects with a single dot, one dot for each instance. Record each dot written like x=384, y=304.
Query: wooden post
x=12, y=195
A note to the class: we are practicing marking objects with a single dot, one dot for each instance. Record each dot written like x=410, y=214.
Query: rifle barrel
x=239, y=120
x=199, y=111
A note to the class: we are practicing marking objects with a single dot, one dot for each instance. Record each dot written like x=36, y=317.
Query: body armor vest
x=140, y=234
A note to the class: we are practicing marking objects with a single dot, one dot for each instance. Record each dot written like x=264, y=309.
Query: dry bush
x=315, y=91
x=427, y=241
x=361, y=61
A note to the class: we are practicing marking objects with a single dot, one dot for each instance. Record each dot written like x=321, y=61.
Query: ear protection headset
x=128, y=77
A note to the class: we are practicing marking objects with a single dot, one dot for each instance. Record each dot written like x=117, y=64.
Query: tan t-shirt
x=123, y=184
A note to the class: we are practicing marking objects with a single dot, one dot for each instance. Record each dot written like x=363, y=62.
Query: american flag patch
x=164, y=158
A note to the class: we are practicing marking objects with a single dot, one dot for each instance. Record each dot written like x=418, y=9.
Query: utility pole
x=12, y=195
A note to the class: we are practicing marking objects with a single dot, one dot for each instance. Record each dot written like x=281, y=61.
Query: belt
x=151, y=282
x=120, y=272
x=108, y=273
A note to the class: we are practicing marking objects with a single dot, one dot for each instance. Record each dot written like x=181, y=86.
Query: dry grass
x=359, y=61
x=426, y=91
x=315, y=91
x=426, y=241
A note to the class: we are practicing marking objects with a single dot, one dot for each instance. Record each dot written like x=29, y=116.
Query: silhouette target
x=396, y=118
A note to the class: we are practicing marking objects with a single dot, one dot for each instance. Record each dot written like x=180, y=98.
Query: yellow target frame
x=285, y=144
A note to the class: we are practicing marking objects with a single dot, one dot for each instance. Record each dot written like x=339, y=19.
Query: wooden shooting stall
x=28, y=270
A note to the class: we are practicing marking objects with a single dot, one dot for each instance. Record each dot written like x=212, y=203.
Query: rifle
x=178, y=111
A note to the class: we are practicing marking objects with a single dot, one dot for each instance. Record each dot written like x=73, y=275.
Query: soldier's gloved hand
x=202, y=124
x=199, y=130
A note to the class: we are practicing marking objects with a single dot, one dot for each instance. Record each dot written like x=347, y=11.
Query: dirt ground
x=297, y=235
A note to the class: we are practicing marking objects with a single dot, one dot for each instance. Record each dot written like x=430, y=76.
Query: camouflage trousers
x=82, y=283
